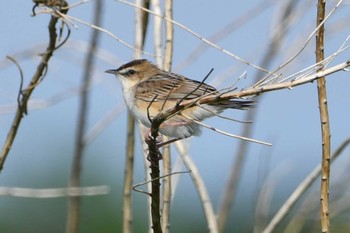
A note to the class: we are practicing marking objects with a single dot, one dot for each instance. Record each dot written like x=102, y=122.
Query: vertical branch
x=324, y=117
x=128, y=175
x=169, y=34
x=141, y=21
x=74, y=202
x=158, y=33
x=168, y=54
x=155, y=194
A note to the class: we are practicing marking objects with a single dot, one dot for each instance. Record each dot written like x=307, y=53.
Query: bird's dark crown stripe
x=132, y=63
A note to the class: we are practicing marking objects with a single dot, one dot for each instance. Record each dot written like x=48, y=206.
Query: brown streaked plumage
x=145, y=86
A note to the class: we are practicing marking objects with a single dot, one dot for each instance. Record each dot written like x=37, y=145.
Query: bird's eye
x=130, y=72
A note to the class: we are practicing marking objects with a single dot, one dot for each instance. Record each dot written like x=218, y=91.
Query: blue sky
x=288, y=119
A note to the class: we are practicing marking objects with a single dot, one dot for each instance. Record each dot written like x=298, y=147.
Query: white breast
x=129, y=89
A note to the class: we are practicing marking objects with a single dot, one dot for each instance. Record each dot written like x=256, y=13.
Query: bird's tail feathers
x=241, y=104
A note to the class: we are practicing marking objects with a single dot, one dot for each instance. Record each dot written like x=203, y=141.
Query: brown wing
x=173, y=87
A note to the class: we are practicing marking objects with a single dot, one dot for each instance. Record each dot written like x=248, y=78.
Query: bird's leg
x=182, y=123
x=148, y=139
x=161, y=144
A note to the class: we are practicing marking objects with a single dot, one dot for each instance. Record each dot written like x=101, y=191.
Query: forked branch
x=26, y=93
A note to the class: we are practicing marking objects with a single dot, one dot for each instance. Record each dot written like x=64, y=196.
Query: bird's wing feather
x=173, y=87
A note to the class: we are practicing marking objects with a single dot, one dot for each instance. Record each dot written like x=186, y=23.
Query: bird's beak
x=111, y=71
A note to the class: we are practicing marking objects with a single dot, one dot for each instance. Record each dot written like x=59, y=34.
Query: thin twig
x=21, y=83
x=224, y=117
x=270, y=87
x=135, y=187
x=225, y=133
x=319, y=25
x=195, y=89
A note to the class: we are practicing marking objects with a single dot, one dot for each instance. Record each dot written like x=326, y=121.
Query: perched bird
x=149, y=90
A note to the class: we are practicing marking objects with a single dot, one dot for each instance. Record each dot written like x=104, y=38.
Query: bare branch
x=28, y=91
x=20, y=91
x=227, y=134
x=54, y=192
x=168, y=58
x=324, y=118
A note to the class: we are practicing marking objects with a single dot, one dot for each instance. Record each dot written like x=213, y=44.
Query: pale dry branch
x=225, y=133
x=285, y=85
x=169, y=35
x=182, y=145
x=130, y=143
x=158, y=33
x=54, y=192
x=308, y=70
x=141, y=18
x=324, y=119
x=224, y=117
x=168, y=55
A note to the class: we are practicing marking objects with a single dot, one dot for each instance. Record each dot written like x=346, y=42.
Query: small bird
x=149, y=90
